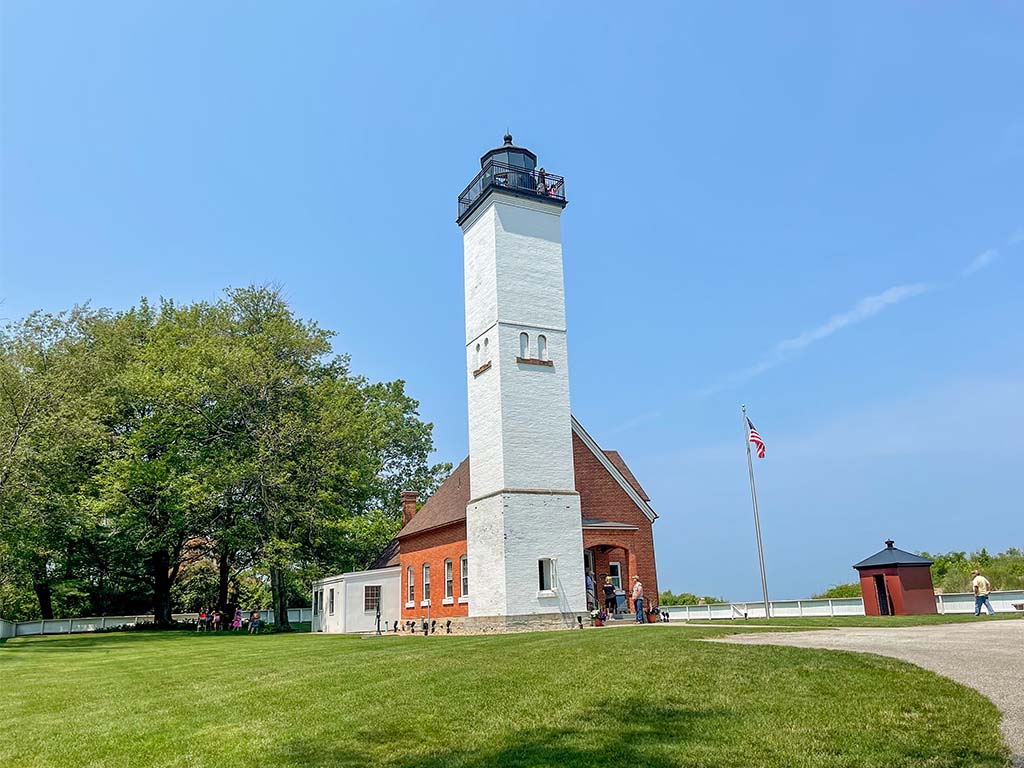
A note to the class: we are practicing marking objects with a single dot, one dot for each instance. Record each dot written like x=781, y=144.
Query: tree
x=52, y=401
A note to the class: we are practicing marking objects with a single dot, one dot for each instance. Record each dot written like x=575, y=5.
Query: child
x=237, y=623
x=254, y=622
x=201, y=621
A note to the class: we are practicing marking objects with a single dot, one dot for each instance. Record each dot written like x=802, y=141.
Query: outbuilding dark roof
x=891, y=556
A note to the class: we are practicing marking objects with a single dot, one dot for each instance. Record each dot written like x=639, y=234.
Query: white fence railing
x=93, y=623
x=1002, y=602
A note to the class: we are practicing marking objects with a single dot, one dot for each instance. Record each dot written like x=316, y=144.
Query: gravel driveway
x=949, y=649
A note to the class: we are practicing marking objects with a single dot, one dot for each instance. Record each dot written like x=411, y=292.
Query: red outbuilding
x=896, y=583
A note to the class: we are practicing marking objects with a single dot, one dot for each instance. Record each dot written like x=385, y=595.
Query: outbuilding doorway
x=882, y=594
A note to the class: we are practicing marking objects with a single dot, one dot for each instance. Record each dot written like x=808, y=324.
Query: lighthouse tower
x=523, y=523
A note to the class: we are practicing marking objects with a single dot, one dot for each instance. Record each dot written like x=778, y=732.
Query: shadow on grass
x=614, y=733
x=99, y=641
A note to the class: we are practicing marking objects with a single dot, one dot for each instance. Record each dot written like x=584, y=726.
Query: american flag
x=756, y=439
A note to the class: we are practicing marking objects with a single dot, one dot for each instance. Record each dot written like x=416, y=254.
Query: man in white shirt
x=981, y=587
x=638, y=599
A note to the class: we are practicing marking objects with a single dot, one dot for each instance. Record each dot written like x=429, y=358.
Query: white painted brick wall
x=519, y=414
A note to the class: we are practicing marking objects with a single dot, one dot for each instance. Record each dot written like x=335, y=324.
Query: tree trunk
x=160, y=563
x=280, y=595
x=45, y=596
x=224, y=574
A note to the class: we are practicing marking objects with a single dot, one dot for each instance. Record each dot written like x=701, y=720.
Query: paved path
x=949, y=649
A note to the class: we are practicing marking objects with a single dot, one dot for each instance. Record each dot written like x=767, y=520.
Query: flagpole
x=757, y=520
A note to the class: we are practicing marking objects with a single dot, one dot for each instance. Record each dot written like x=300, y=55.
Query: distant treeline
x=171, y=457
x=688, y=598
x=951, y=572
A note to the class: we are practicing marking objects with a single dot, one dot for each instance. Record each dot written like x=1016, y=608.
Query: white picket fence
x=1002, y=602
x=93, y=623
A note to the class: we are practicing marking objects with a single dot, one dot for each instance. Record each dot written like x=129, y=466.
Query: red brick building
x=618, y=537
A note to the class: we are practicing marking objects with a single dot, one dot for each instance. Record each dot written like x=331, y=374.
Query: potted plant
x=599, y=617
x=653, y=614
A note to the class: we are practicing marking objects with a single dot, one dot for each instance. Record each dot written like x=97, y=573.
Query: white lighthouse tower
x=523, y=521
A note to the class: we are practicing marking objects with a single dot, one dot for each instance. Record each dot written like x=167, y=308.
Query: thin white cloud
x=1016, y=237
x=980, y=261
x=863, y=310
x=866, y=308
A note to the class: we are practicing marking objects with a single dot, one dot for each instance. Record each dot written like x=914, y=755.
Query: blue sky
x=818, y=211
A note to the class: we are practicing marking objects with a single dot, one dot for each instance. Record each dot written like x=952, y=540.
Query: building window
x=449, y=581
x=615, y=571
x=330, y=602
x=464, y=573
x=542, y=347
x=546, y=575
x=316, y=599
x=487, y=355
x=411, y=579
x=321, y=601
x=426, y=581
x=477, y=356
x=371, y=597
x=524, y=345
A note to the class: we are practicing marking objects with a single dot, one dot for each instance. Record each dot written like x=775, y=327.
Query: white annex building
x=508, y=538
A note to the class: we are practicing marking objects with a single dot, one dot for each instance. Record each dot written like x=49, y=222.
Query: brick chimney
x=408, y=506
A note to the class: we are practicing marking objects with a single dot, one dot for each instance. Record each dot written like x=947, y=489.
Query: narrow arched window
x=487, y=354
x=477, y=356
x=524, y=345
x=542, y=347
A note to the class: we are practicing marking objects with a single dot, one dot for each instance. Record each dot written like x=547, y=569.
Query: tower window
x=545, y=574
x=477, y=356
x=542, y=347
x=487, y=355
x=524, y=345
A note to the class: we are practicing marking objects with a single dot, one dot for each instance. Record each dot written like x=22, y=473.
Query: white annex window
x=316, y=599
x=411, y=580
x=371, y=597
x=524, y=345
x=542, y=347
x=464, y=573
x=545, y=574
x=330, y=602
x=449, y=583
x=426, y=581
x=321, y=601
x=615, y=571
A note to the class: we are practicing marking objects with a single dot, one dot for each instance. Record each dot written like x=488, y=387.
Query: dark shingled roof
x=387, y=558
x=891, y=556
x=446, y=506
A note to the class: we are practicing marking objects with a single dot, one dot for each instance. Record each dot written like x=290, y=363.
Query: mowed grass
x=636, y=696
x=784, y=622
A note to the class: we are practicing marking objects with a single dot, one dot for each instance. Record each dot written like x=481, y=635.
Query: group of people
x=611, y=598
x=216, y=620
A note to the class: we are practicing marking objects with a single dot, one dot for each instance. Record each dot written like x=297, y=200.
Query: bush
x=840, y=590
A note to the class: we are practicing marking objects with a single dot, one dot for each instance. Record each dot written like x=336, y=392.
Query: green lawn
x=861, y=621
x=641, y=696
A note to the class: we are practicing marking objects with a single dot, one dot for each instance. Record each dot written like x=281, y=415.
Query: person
x=217, y=616
x=542, y=181
x=609, y=596
x=201, y=621
x=981, y=587
x=591, y=594
x=237, y=623
x=638, y=599
x=254, y=622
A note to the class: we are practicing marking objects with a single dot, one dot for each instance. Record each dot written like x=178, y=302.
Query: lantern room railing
x=521, y=181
